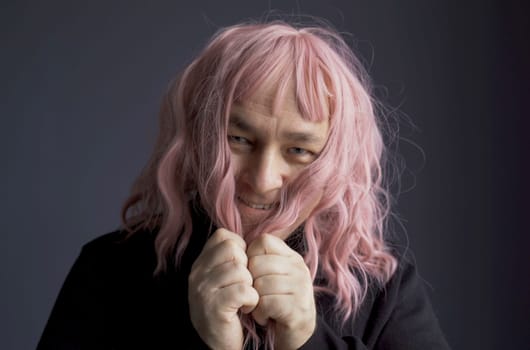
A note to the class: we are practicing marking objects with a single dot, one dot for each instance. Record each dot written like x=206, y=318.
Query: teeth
x=256, y=206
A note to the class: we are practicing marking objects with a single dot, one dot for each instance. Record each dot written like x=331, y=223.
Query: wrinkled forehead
x=271, y=98
x=281, y=97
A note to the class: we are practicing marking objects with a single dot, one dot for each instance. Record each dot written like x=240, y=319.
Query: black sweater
x=111, y=300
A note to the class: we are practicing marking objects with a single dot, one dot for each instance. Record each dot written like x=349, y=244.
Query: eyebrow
x=239, y=122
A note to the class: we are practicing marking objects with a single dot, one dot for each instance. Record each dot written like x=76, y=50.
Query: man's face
x=268, y=150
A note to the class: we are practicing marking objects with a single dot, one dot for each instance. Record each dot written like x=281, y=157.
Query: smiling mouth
x=257, y=206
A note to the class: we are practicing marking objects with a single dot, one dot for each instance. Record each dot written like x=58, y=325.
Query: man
x=260, y=218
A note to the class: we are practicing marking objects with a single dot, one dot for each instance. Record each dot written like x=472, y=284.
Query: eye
x=238, y=140
x=300, y=151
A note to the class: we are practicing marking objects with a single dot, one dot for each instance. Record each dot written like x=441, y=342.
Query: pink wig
x=191, y=160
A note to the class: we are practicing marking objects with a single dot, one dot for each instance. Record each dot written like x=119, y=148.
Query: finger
x=221, y=235
x=275, y=285
x=222, y=247
x=238, y=296
x=262, y=265
x=226, y=274
x=269, y=244
x=271, y=307
x=226, y=251
x=246, y=309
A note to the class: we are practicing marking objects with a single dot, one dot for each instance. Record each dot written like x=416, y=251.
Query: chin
x=249, y=226
x=252, y=216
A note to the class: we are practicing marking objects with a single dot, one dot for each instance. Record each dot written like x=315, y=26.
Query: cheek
x=236, y=164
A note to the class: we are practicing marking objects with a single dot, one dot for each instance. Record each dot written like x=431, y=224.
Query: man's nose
x=268, y=172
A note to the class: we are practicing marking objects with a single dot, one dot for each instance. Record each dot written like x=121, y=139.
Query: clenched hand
x=285, y=289
x=219, y=285
x=268, y=279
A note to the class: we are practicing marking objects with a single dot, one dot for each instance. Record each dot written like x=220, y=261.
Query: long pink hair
x=344, y=234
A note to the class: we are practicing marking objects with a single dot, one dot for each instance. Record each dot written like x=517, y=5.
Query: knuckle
x=236, y=257
x=229, y=245
x=261, y=240
x=267, y=239
x=241, y=289
x=233, y=245
x=221, y=232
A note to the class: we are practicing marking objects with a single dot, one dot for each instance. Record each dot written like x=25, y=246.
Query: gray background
x=81, y=84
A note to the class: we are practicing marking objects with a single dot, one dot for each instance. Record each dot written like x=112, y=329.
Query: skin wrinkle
x=236, y=120
x=326, y=83
x=263, y=166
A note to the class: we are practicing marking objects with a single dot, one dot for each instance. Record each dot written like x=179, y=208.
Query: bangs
x=280, y=63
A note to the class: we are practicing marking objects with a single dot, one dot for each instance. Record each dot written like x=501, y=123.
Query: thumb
x=251, y=302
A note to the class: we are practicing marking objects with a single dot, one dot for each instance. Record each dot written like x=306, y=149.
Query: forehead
x=277, y=98
x=274, y=97
x=272, y=111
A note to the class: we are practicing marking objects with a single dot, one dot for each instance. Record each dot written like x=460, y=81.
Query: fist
x=220, y=285
x=285, y=288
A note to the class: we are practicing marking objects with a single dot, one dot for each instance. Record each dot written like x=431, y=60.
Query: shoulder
x=406, y=272
x=408, y=320
x=405, y=297
x=119, y=239
x=405, y=281
x=118, y=251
